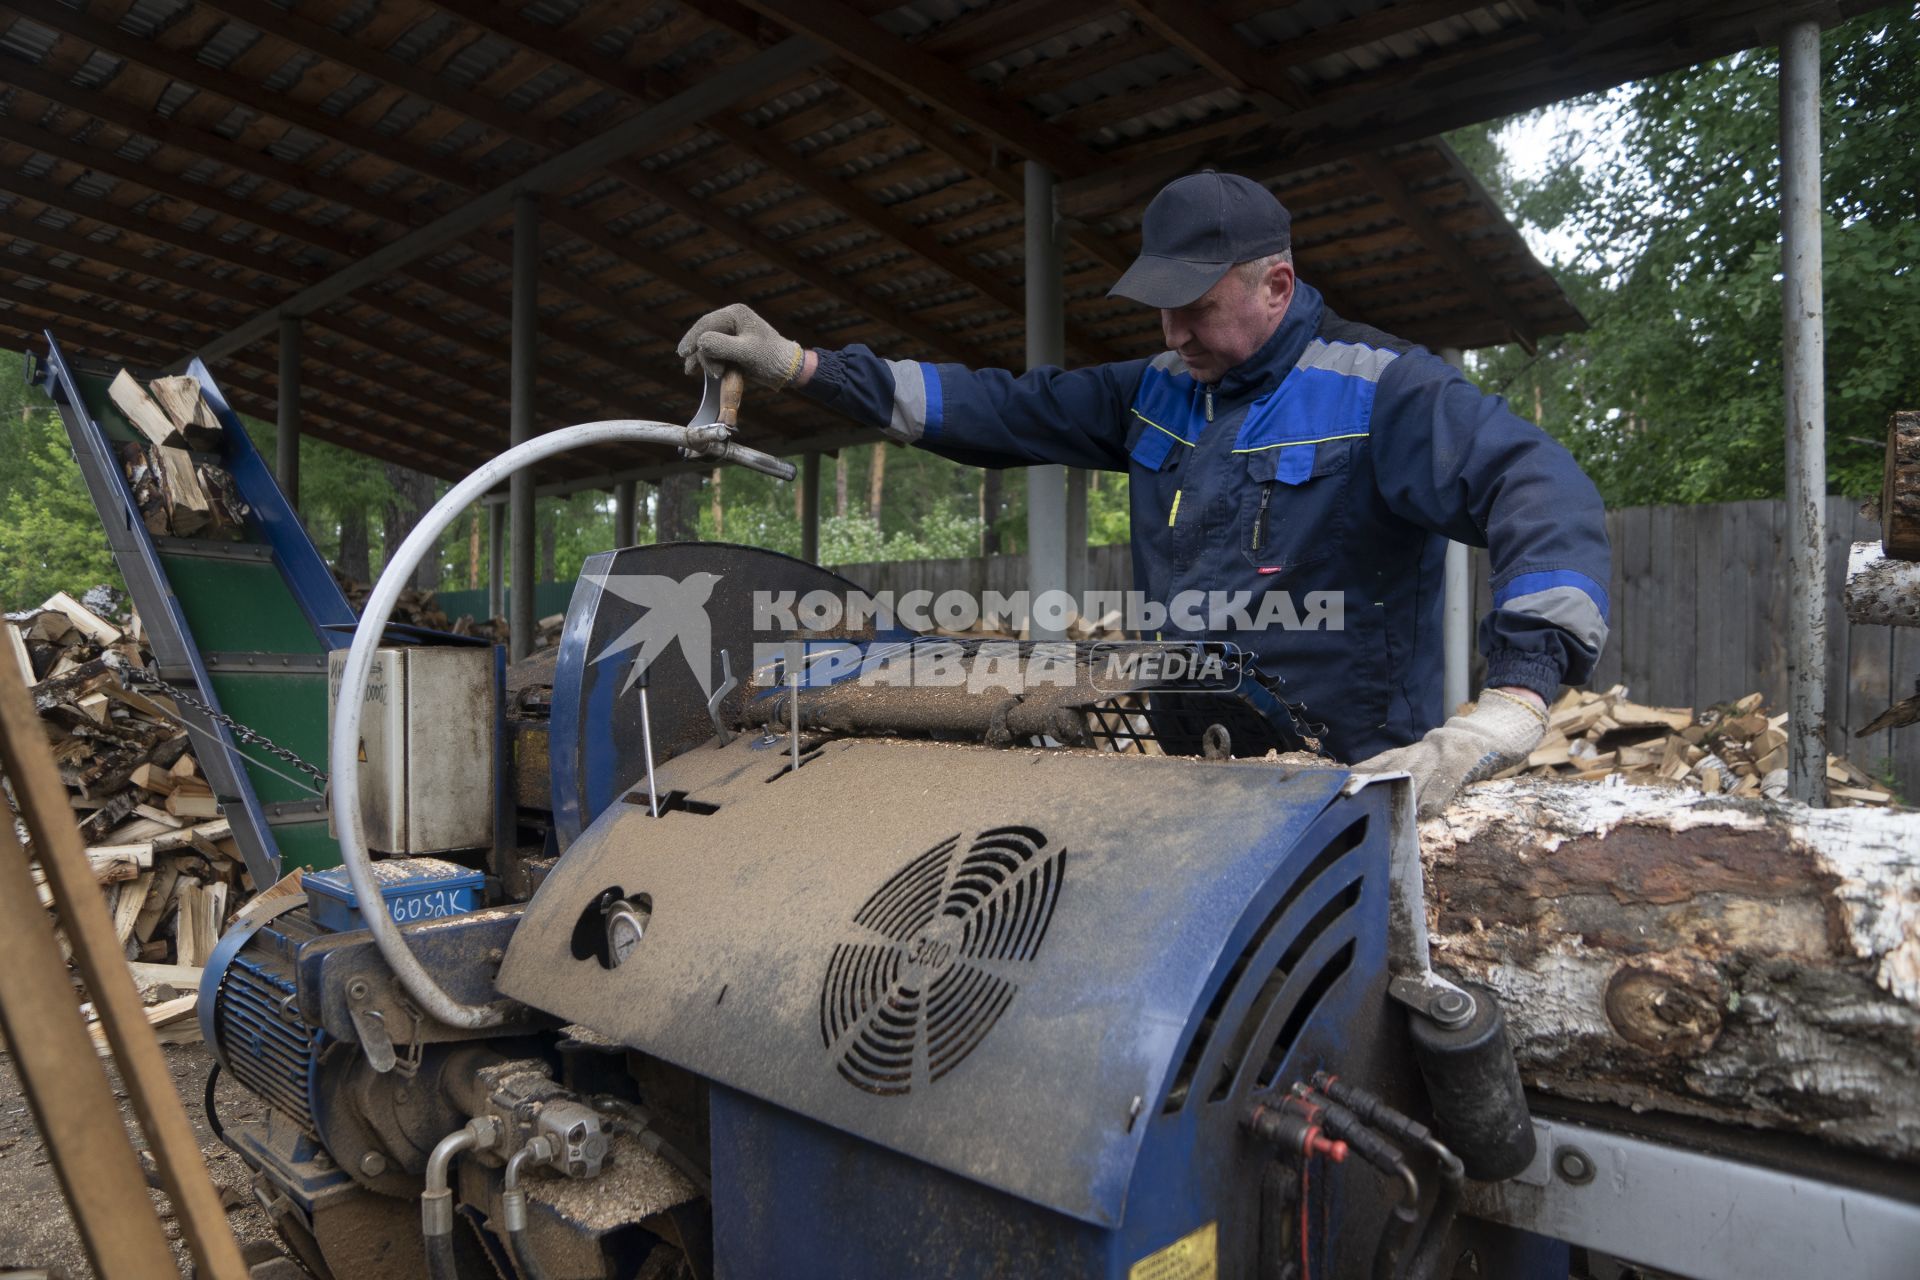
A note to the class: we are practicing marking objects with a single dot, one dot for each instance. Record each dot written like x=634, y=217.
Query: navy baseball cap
x=1195, y=231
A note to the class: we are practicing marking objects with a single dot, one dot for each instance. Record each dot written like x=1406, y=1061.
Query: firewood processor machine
x=672, y=952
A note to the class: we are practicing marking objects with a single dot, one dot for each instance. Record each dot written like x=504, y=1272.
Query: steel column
x=1806, y=427
x=1456, y=624
x=1046, y=345
x=286, y=431
x=810, y=508
x=496, y=557
x=526, y=316
x=625, y=493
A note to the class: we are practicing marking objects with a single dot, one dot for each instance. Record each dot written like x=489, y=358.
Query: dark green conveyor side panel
x=244, y=625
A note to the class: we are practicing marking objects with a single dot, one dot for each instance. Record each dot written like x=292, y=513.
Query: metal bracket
x=371, y=1026
x=244, y=661
x=1411, y=979
x=1699, y=1215
x=209, y=549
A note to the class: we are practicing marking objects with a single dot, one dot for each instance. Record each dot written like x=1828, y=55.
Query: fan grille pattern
x=934, y=969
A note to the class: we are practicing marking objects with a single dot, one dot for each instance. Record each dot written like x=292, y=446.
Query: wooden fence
x=1698, y=616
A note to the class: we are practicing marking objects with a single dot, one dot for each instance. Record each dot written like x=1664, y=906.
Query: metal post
x=286, y=436
x=624, y=494
x=526, y=314
x=1456, y=623
x=1077, y=533
x=496, y=561
x=1806, y=428
x=1046, y=345
x=810, y=508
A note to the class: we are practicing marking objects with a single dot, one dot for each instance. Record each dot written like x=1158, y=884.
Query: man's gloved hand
x=735, y=335
x=1500, y=732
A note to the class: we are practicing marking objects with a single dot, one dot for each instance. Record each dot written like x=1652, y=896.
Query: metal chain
x=240, y=732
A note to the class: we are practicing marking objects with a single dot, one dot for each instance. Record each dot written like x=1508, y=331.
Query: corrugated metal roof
x=897, y=217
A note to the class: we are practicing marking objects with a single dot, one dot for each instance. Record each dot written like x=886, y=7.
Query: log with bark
x=1881, y=590
x=1900, y=491
x=1741, y=960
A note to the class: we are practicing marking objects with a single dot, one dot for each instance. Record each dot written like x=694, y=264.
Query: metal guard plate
x=1157, y=860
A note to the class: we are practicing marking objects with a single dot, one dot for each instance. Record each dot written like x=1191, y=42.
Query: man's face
x=1230, y=321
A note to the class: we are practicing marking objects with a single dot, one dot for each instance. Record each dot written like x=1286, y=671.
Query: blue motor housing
x=968, y=1012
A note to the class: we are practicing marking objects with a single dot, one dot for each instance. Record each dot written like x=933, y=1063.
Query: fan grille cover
x=934, y=965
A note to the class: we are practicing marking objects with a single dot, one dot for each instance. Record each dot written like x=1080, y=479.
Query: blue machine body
x=911, y=1075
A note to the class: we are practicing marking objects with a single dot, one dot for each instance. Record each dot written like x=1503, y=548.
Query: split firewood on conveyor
x=178, y=495
x=164, y=857
x=1749, y=961
x=1730, y=748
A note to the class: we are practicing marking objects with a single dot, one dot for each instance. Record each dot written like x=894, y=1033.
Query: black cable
x=523, y=1259
x=440, y=1264
x=213, y=1112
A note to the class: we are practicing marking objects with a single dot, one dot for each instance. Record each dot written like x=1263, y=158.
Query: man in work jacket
x=1278, y=447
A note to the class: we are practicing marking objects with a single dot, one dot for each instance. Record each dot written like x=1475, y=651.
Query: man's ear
x=1279, y=285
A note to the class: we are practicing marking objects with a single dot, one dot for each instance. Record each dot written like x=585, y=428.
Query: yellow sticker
x=1191, y=1257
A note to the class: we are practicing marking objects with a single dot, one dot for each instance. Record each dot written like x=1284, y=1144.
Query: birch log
x=1747, y=961
x=1881, y=590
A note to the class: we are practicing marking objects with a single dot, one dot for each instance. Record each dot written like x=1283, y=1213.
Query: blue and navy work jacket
x=1331, y=466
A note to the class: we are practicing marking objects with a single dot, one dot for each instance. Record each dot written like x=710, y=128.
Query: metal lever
x=720, y=410
x=646, y=742
x=727, y=683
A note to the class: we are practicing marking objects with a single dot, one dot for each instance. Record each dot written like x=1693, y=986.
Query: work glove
x=736, y=336
x=1501, y=731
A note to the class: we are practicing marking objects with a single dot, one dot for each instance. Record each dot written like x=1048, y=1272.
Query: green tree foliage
x=50, y=538
x=1675, y=393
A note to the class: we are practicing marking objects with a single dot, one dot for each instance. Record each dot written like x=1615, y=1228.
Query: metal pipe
x=526, y=319
x=1804, y=338
x=342, y=751
x=1046, y=345
x=810, y=508
x=436, y=1197
x=286, y=438
x=625, y=493
x=496, y=562
x=646, y=745
x=1456, y=618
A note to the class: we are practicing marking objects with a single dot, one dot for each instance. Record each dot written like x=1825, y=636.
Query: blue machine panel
x=999, y=969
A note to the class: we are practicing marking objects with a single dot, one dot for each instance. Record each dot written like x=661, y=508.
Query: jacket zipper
x=1209, y=404
x=1260, y=517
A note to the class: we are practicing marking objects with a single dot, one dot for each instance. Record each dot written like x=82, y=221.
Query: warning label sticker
x=1191, y=1257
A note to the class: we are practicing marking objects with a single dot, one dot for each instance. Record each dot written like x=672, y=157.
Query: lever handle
x=733, y=385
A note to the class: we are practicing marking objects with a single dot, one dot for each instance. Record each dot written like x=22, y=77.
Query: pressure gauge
x=626, y=925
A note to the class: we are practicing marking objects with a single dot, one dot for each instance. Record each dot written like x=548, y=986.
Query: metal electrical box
x=426, y=747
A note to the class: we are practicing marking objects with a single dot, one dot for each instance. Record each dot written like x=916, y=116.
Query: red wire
x=1306, y=1267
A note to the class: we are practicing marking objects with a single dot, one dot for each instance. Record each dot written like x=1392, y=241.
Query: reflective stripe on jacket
x=1319, y=480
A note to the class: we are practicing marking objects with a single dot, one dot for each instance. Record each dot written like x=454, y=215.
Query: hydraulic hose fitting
x=513, y=1200
x=436, y=1200
x=1289, y=1129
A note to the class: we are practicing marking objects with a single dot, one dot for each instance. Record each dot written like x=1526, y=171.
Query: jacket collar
x=1261, y=372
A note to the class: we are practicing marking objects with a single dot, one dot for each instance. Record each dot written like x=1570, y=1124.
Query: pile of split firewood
x=1733, y=748
x=422, y=609
x=163, y=855
x=178, y=496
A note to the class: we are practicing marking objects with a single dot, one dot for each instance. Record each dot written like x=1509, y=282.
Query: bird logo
x=670, y=611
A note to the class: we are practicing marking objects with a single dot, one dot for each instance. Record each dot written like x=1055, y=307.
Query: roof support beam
x=547, y=42
x=741, y=78
x=861, y=41
x=682, y=109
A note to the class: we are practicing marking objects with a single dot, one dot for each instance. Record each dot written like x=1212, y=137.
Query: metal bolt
x=1573, y=1165
x=358, y=989
x=373, y=1164
x=1452, y=1007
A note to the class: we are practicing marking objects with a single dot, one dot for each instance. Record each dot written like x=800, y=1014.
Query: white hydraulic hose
x=344, y=751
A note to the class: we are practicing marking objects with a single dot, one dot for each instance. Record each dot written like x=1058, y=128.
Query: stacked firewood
x=178, y=495
x=1732, y=748
x=162, y=854
x=422, y=609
